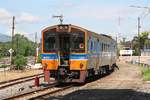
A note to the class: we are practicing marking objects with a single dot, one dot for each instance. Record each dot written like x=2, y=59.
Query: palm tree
x=139, y=41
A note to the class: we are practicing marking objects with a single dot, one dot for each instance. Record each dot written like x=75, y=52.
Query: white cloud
x=69, y=4
x=16, y=31
x=102, y=12
x=29, y=35
x=23, y=17
x=28, y=18
x=5, y=16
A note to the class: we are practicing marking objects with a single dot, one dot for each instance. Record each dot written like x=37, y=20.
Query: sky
x=112, y=17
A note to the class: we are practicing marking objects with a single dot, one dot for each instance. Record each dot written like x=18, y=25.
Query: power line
x=142, y=7
x=139, y=26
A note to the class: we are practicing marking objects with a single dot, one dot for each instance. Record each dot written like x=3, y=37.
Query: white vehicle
x=126, y=51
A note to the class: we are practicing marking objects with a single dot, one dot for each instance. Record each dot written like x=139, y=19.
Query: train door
x=90, y=52
x=64, y=48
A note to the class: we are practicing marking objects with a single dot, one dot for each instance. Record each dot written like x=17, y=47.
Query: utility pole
x=36, y=47
x=12, y=40
x=139, y=40
x=13, y=28
x=60, y=17
x=119, y=30
x=36, y=39
x=139, y=26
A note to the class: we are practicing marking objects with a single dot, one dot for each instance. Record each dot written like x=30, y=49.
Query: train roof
x=78, y=27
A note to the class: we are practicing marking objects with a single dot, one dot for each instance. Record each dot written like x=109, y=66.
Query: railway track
x=46, y=95
x=9, y=83
x=38, y=91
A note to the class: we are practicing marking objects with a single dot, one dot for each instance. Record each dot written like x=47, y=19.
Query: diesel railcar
x=71, y=53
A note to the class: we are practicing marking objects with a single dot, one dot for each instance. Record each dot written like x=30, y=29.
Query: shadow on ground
x=102, y=94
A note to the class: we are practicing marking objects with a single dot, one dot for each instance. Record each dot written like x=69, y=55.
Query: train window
x=105, y=47
x=91, y=45
x=97, y=49
x=95, y=44
x=102, y=46
x=78, y=44
x=49, y=42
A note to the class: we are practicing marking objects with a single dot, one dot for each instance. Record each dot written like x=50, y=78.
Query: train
x=71, y=53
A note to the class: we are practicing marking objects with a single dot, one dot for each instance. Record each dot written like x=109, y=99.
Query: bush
x=0, y=56
x=136, y=52
x=3, y=66
x=39, y=59
x=19, y=61
x=146, y=74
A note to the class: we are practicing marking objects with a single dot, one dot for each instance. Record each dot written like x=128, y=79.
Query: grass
x=146, y=74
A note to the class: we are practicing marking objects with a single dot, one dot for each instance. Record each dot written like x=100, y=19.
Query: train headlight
x=81, y=65
x=61, y=27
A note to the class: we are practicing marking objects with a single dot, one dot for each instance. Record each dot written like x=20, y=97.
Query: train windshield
x=49, y=42
x=77, y=44
x=73, y=42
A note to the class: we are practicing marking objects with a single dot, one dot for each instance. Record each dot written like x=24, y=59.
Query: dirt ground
x=123, y=84
x=8, y=75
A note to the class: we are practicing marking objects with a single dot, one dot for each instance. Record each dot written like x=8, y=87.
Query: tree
x=139, y=41
x=19, y=61
x=4, y=47
x=39, y=60
x=23, y=46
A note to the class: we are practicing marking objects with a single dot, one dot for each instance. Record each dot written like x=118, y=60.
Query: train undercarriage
x=64, y=75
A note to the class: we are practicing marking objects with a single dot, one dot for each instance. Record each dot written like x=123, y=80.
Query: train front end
x=64, y=55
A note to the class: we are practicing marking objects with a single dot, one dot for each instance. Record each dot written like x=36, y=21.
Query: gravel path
x=18, y=89
x=8, y=75
x=123, y=84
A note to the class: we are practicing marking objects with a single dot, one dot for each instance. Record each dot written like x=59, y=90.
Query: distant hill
x=4, y=38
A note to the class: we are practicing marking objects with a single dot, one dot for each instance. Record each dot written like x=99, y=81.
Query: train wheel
x=107, y=69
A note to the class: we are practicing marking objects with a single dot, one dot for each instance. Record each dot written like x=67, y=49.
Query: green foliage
x=4, y=47
x=3, y=66
x=147, y=42
x=19, y=61
x=136, y=52
x=39, y=60
x=21, y=46
x=146, y=74
x=140, y=41
x=1, y=56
